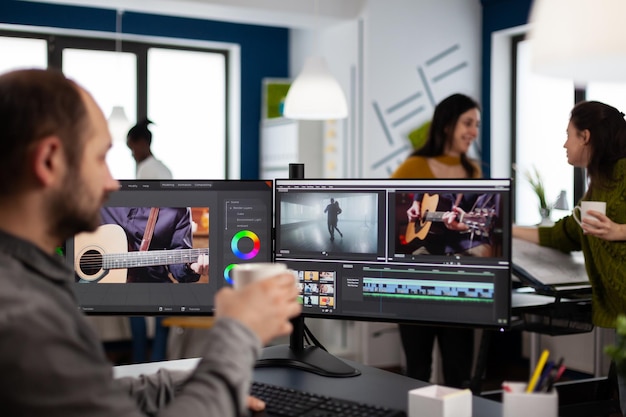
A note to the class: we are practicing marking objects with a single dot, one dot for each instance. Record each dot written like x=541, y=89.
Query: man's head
x=139, y=140
x=35, y=104
x=53, y=145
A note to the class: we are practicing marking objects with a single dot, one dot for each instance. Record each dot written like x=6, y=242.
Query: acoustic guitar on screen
x=102, y=256
x=479, y=221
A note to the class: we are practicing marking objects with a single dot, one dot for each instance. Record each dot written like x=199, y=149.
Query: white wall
x=405, y=37
x=405, y=45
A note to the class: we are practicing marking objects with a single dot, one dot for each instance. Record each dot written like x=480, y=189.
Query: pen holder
x=516, y=402
x=440, y=401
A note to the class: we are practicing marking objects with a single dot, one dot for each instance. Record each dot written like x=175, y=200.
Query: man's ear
x=48, y=160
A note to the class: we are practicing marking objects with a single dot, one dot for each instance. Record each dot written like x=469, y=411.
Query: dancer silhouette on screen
x=333, y=211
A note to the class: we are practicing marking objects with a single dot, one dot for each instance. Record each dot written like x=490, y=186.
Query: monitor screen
x=141, y=259
x=423, y=251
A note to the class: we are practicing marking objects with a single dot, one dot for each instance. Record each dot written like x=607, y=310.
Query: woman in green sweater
x=596, y=140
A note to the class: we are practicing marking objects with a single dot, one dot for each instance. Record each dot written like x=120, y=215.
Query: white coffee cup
x=580, y=212
x=244, y=274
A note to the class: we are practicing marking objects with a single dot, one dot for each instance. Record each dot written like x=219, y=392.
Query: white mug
x=244, y=274
x=580, y=211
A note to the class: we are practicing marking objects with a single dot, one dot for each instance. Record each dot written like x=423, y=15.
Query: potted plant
x=617, y=352
x=536, y=182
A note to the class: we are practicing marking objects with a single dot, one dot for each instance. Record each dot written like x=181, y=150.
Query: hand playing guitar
x=451, y=220
x=414, y=211
x=202, y=266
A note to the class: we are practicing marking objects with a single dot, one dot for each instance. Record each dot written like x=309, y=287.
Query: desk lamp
x=561, y=202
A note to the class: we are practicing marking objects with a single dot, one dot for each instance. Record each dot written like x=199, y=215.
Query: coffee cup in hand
x=244, y=274
x=580, y=211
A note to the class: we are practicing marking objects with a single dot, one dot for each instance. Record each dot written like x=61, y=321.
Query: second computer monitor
x=415, y=251
x=144, y=258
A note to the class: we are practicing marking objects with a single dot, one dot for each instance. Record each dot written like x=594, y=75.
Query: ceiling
x=282, y=13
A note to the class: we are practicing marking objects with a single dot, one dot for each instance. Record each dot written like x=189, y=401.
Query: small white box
x=516, y=402
x=440, y=401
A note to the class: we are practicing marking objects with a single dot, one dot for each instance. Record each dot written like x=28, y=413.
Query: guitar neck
x=151, y=258
x=434, y=216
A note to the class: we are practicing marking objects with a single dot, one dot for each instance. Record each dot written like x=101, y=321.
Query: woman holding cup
x=596, y=140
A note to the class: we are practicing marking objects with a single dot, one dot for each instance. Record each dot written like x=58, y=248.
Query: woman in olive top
x=453, y=129
x=596, y=140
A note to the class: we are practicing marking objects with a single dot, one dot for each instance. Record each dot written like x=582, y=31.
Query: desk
x=540, y=314
x=373, y=386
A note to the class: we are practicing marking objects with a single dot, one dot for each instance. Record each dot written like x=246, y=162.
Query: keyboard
x=287, y=402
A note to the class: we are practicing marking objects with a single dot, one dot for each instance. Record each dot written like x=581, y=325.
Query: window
x=181, y=88
x=111, y=77
x=541, y=109
x=24, y=53
x=186, y=91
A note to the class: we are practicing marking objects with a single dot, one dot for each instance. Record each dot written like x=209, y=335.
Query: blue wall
x=497, y=15
x=264, y=51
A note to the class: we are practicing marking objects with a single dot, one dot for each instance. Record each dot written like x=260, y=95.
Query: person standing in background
x=139, y=141
x=453, y=129
x=596, y=141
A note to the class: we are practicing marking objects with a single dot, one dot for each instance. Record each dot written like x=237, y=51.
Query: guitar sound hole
x=91, y=262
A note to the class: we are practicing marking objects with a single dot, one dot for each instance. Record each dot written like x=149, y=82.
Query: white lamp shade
x=315, y=94
x=582, y=40
x=118, y=123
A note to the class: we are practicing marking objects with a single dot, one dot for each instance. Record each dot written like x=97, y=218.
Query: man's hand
x=265, y=306
x=256, y=404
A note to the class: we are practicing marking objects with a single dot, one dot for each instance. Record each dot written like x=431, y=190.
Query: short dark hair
x=140, y=131
x=35, y=104
x=607, y=139
x=446, y=115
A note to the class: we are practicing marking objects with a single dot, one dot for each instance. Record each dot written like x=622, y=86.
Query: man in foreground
x=53, y=181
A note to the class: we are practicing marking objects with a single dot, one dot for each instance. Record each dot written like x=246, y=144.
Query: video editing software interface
x=429, y=251
x=128, y=267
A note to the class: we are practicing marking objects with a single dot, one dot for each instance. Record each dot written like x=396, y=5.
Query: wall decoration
x=274, y=93
x=405, y=114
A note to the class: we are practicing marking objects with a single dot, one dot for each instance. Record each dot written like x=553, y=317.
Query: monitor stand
x=311, y=358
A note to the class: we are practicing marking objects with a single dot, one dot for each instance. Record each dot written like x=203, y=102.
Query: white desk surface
x=152, y=367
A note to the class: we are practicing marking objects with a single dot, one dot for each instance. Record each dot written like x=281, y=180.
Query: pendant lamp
x=315, y=94
x=118, y=120
x=581, y=40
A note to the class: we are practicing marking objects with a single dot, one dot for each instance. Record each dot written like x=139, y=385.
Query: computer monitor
x=359, y=255
x=229, y=220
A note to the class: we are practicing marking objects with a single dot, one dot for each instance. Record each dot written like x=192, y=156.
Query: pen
x=537, y=372
x=547, y=372
x=555, y=375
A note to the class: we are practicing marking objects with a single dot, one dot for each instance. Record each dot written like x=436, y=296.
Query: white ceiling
x=282, y=13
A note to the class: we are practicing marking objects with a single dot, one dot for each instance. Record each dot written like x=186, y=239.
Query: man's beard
x=73, y=211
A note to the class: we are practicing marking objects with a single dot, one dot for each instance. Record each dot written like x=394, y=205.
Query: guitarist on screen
x=452, y=224
x=171, y=231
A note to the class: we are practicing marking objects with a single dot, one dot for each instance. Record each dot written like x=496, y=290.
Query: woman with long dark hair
x=453, y=129
x=596, y=141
